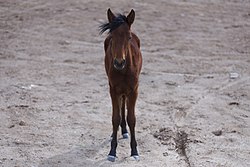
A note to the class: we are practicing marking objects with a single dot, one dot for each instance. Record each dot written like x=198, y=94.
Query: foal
x=123, y=62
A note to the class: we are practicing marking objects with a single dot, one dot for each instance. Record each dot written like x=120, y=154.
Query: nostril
x=119, y=65
x=116, y=62
x=123, y=61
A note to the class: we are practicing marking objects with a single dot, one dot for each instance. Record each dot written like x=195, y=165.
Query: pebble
x=22, y=123
x=233, y=75
x=217, y=132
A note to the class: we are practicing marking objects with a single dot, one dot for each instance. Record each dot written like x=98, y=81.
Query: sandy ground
x=193, y=108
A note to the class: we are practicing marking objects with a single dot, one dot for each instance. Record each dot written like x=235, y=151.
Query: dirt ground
x=193, y=108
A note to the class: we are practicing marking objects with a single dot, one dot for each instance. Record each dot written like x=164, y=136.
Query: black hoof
x=125, y=135
x=136, y=157
x=111, y=158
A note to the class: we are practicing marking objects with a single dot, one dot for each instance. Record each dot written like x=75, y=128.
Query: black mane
x=117, y=21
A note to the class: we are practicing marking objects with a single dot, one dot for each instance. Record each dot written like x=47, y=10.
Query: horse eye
x=129, y=37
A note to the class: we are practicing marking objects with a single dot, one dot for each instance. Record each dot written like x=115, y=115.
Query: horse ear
x=110, y=15
x=131, y=17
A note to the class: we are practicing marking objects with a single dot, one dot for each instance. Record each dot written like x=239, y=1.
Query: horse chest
x=123, y=84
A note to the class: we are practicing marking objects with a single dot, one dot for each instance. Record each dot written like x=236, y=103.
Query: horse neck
x=129, y=57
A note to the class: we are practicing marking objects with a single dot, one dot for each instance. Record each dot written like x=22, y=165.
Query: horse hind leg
x=123, y=124
x=125, y=134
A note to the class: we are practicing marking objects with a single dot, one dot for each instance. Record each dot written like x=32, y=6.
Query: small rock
x=210, y=77
x=234, y=103
x=171, y=83
x=165, y=154
x=64, y=42
x=217, y=132
x=233, y=131
x=233, y=75
x=22, y=105
x=243, y=115
x=12, y=126
x=45, y=144
x=22, y=123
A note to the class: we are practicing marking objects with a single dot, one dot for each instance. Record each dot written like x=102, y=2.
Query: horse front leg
x=131, y=123
x=116, y=119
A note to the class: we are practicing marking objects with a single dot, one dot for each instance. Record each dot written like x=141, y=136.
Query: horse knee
x=131, y=120
x=116, y=120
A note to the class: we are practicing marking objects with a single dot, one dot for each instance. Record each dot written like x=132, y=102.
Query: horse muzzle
x=119, y=65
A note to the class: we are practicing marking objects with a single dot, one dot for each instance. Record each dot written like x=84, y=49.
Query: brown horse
x=123, y=62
